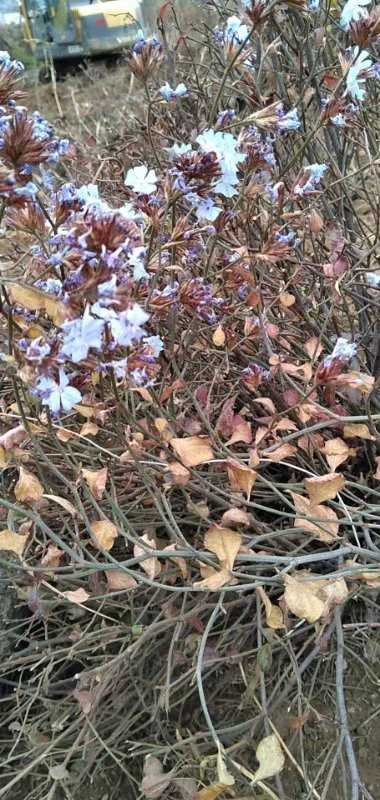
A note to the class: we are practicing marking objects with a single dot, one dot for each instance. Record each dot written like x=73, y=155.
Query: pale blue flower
x=141, y=180
x=88, y=197
x=315, y=173
x=168, y=93
x=289, y=121
x=235, y=32
x=136, y=260
x=224, y=146
x=56, y=395
x=155, y=343
x=353, y=11
x=80, y=335
x=178, y=150
x=354, y=83
x=204, y=207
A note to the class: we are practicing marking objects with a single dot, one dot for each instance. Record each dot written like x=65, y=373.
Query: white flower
x=80, y=335
x=224, y=146
x=88, y=195
x=236, y=31
x=354, y=83
x=344, y=350
x=55, y=394
x=155, y=343
x=142, y=180
x=373, y=279
x=168, y=93
x=352, y=11
x=136, y=315
x=136, y=260
x=178, y=150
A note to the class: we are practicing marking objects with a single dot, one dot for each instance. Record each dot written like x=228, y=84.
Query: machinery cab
x=64, y=29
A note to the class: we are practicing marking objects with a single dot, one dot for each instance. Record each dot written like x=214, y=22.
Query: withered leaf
x=241, y=478
x=96, y=481
x=225, y=543
x=14, y=542
x=151, y=565
x=324, y=487
x=193, y=450
x=271, y=758
x=104, y=533
x=28, y=488
x=319, y=520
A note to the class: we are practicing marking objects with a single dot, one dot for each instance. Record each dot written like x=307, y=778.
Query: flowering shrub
x=212, y=317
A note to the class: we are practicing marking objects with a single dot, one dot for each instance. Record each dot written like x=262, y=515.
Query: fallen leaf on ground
x=241, y=431
x=224, y=543
x=154, y=781
x=77, y=596
x=15, y=542
x=219, y=337
x=358, y=431
x=61, y=501
x=236, y=516
x=273, y=613
x=89, y=429
x=370, y=577
x=377, y=473
x=28, y=488
x=319, y=520
x=104, y=533
x=211, y=792
x=281, y=453
x=214, y=581
x=151, y=565
x=241, y=478
x=193, y=450
x=271, y=758
x=179, y=561
x=336, y=451
x=313, y=347
x=52, y=557
x=178, y=474
x=13, y=437
x=118, y=580
x=96, y=481
x=324, y=487
x=224, y=776
x=312, y=599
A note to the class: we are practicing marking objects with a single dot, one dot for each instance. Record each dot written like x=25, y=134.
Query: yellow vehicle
x=70, y=29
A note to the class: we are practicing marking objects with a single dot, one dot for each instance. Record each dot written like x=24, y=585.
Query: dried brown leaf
x=219, y=337
x=241, y=478
x=271, y=758
x=77, y=596
x=96, y=481
x=336, y=451
x=14, y=542
x=214, y=581
x=359, y=431
x=281, y=453
x=324, y=487
x=28, y=488
x=193, y=450
x=154, y=781
x=273, y=613
x=151, y=565
x=236, y=516
x=104, y=533
x=224, y=543
x=118, y=580
x=320, y=520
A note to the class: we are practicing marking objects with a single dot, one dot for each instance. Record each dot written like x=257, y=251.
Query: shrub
x=213, y=321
